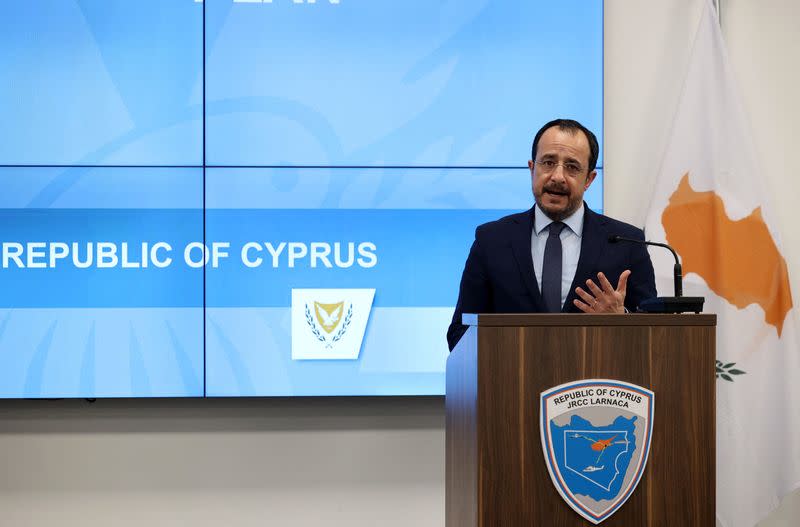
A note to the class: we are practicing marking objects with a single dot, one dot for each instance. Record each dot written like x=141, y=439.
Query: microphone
x=677, y=271
x=666, y=304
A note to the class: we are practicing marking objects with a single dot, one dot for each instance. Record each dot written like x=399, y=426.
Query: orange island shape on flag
x=738, y=259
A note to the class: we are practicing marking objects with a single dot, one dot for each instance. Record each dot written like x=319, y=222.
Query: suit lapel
x=593, y=242
x=521, y=246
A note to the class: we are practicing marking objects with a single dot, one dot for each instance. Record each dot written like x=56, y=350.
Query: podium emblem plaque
x=596, y=437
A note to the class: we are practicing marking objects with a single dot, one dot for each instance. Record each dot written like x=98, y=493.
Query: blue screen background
x=406, y=123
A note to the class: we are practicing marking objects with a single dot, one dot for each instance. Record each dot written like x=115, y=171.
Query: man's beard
x=561, y=214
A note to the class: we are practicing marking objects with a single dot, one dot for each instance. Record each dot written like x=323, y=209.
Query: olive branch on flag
x=725, y=370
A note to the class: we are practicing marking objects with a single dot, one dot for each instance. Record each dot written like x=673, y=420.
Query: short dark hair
x=573, y=127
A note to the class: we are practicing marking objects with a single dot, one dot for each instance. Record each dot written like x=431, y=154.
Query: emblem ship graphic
x=598, y=445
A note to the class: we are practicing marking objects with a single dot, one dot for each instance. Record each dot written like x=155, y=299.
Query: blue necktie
x=551, y=269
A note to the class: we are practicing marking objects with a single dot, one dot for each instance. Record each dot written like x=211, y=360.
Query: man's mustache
x=556, y=188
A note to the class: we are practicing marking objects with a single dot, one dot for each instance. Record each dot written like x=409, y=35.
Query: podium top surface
x=582, y=319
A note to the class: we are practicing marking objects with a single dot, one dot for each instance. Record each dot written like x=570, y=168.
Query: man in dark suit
x=556, y=257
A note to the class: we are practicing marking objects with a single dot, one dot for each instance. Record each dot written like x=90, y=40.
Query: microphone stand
x=666, y=304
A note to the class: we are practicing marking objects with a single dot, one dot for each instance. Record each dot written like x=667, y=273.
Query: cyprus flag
x=710, y=205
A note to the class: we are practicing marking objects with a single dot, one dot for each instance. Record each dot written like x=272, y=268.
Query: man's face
x=558, y=190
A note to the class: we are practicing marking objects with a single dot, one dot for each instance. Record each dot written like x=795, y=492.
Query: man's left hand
x=603, y=298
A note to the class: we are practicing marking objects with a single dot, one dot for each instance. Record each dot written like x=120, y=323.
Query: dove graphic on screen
x=328, y=315
x=329, y=323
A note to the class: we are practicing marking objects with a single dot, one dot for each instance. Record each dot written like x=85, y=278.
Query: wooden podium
x=496, y=472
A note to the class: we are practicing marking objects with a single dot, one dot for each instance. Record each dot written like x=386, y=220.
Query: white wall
x=371, y=462
x=331, y=462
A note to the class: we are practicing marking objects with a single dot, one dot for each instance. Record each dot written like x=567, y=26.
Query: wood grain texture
x=575, y=319
x=519, y=356
x=461, y=439
x=683, y=363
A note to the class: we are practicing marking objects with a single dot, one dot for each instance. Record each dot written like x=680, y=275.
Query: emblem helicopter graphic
x=598, y=445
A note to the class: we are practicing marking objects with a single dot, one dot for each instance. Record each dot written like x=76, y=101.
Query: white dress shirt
x=570, y=246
